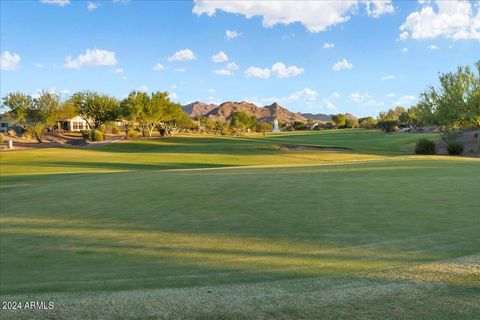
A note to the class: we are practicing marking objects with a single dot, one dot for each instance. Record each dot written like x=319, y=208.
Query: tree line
x=141, y=110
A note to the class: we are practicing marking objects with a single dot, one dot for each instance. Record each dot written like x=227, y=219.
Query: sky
x=360, y=57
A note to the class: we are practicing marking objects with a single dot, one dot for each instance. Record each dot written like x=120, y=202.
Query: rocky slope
x=224, y=111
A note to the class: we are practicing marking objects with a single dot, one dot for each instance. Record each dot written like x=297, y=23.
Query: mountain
x=325, y=117
x=265, y=114
x=198, y=108
x=318, y=116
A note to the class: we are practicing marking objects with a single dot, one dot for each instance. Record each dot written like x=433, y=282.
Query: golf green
x=334, y=224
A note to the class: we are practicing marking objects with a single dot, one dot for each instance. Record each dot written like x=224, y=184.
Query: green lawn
x=208, y=227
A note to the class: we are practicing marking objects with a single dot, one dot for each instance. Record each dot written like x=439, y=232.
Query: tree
x=95, y=108
x=152, y=111
x=456, y=103
x=367, y=123
x=36, y=115
x=351, y=122
x=388, y=125
x=339, y=120
x=242, y=121
x=264, y=127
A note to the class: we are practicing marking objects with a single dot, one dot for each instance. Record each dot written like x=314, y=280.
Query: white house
x=73, y=124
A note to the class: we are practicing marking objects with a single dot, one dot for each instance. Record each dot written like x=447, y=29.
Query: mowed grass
x=205, y=227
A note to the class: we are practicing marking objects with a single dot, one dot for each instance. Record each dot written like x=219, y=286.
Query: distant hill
x=198, y=108
x=318, y=116
x=325, y=117
x=224, y=111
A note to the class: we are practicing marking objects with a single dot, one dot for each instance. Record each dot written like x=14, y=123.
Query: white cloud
x=391, y=95
x=231, y=34
x=38, y=65
x=450, y=19
x=404, y=50
x=180, y=69
x=124, y=78
x=158, y=67
x=173, y=95
x=327, y=45
x=9, y=61
x=365, y=99
x=219, y=57
x=376, y=8
x=316, y=16
x=173, y=86
x=305, y=94
x=280, y=70
x=60, y=3
x=359, y=97
x=405, y=101
x=92, y=57
x=327, y=104
x=432, y=47
x=389, y=77
x=92, y=6
x=182, y=55
x=335, y=95
x=257, y=72
x=342, y=65
x=229, y=70
x=211, y=90
x=143, y=88
x=117, y=70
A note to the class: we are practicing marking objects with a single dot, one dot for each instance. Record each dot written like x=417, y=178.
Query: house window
x=80, y=125
x=4, y=124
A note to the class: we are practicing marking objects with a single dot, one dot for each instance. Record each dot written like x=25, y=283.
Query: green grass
x=209, y=227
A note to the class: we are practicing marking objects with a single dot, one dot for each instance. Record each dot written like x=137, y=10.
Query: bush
x=27, y=135
x=11, y=133
x=115, y=130
x=388, y=125
x=131, y=134
x=2, y=138
x=425, y=146
x=86, y=134
x=97, y=135
x=162, y=131
x=454, y=148
x=102, y=128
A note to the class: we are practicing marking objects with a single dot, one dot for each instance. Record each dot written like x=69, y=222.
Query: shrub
x=131, y=134
x=102, y=128
x=2, y=138
x=388, y=125
x=162, y=131
x=86, y=134
x=454, y=148
x=115, y=130
x=11, y=133
x=425, y=146
x=97, y=135
x=27, y=135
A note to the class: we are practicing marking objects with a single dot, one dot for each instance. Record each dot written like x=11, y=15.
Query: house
x=73, y=124
x=7, y=123
x=311, y=126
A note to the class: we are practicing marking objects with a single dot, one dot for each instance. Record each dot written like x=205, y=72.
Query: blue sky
x=384, y=53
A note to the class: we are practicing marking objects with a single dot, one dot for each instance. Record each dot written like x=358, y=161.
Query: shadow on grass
x=124, y=166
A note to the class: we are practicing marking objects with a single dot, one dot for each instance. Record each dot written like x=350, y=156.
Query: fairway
x=333, y=224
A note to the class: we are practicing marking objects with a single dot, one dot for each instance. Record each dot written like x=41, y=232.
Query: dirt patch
x=304, y=147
